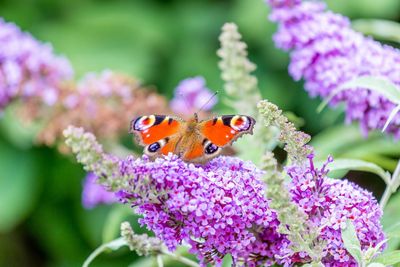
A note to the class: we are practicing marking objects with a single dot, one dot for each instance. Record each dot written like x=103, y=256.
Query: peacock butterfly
x=193, y=140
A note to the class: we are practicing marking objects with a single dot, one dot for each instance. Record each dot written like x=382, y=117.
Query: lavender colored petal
x=326, y=53
x=192, y=94
x=29, y=68
x=94, y=194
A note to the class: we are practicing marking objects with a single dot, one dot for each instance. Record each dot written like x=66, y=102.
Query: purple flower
x=326, y=53
x=191, y=95
x=94, y=194
x=218, y=208
x=329, y=203
x=28, y=68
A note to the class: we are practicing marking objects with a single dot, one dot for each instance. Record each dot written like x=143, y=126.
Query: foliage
x=161, y=43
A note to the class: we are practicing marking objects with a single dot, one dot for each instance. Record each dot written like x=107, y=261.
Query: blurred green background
x=42, y=222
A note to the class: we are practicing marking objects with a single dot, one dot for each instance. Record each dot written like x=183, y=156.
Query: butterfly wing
x=224, y=130
x=156, y=133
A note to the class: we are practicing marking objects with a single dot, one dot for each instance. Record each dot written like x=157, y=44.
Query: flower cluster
x=94, y=193
x=141, y=244
x=242, y=92
x=191, y=95
x=240, y=85
x=326, y=53
x=102, y=103
x=328, y=203
x=218, y=209
x=29, y=68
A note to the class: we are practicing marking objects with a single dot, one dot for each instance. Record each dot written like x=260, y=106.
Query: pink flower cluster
x=94, y=194
x=327, y=53
x=328, y=204
x=192, y=94
x=218, y=209
x=29, y=68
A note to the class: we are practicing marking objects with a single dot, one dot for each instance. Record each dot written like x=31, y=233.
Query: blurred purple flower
x=329, y=203
x=191, y=95
x=326, y=53
x=28, y=67
x=94, y=194
x=218, y=208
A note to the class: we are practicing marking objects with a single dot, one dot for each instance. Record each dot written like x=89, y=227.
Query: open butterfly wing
x=154, y=128
x=224, y=130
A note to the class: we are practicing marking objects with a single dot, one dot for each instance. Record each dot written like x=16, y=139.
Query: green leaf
x=388, y=258
x=318, y=264
x=358, y=165
x=391, y=117
x=376, y=148
x=350, y=137
x=113, y=245
x=377, y=84
x=382, y=29
x=19, y=133
x=227, y=261
x=351, y=242
x=116, y=216
x=18, y=185
x=375, y=264
x=145, y=261
x=391, y=222
x=393, y=231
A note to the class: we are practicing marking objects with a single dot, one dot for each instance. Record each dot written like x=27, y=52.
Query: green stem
x=160, y=262
x=392, y=187
x=180, y=258
x=113, y=244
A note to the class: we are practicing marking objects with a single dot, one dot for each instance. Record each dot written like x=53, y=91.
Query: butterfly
x=193, y=140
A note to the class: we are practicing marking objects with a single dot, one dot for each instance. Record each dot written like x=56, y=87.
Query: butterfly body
x=193, y=140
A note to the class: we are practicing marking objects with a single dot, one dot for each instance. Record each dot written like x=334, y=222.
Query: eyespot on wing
x=152, y=128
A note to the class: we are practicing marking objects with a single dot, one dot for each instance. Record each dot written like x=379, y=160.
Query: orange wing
x=224, y=130
x=153, y=128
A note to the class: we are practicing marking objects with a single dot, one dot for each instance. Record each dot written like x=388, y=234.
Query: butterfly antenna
x=208, y=101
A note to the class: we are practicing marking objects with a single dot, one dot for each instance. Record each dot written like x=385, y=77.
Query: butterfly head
x=196, y=117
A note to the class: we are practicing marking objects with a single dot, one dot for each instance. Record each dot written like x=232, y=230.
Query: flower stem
x=180, y=258
x=391, y=187
x=160, y=262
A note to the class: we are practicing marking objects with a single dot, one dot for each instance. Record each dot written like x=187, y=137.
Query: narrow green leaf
x=391, y=222
x=146, y=261
x=351, y=242
x=388, y=258
x=383, y=29
x=358, y=165
x=375, y=264
x=393, y=231
x=113, y=245
x=318, y=264
x=377, y=84
x=350, y=137
x=391, y=117
x=377, y=148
